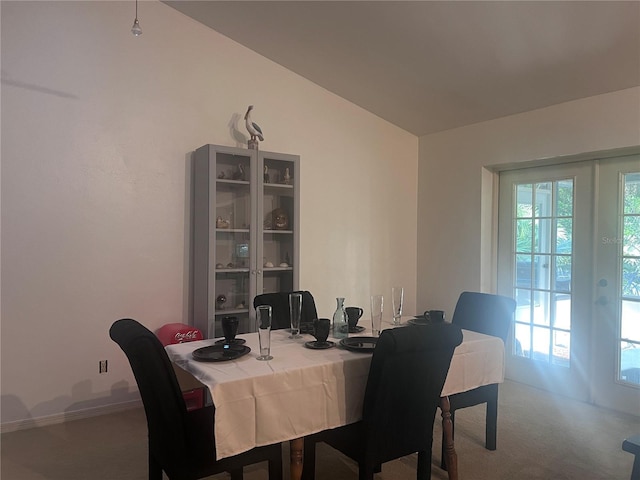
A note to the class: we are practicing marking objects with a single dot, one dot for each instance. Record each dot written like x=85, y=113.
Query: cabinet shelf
x=231, y=311
x=232, y=230
x=226, y=181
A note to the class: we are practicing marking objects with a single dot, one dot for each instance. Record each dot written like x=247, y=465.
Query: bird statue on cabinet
x=254, y=130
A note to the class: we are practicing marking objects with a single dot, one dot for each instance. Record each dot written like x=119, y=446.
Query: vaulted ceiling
x=429, y=66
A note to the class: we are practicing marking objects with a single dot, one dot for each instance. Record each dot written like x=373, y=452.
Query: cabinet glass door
x=278, y=250
x=232, y=239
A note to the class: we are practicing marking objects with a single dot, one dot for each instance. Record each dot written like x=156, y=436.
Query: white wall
x=97, y=129
x=455, y=200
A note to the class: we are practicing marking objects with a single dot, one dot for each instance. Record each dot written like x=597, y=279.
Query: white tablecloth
x=303, y=391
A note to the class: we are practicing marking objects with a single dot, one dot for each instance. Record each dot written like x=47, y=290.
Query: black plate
x=315, y=345
x=359, y=344
x=236, y=341
x=220, y=352
x=420, y=321
x=356, y=329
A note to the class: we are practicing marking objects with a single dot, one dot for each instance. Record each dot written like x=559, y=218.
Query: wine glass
x=376, y=314
x=295, y=314
x=397, y=298
x=263, y=316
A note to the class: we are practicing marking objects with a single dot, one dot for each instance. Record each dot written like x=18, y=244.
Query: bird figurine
x=253, y=128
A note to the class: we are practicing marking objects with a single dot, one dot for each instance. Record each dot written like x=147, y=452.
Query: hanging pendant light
x=136, y=30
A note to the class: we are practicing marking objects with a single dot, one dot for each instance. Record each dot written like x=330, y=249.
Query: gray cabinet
x=245, y=232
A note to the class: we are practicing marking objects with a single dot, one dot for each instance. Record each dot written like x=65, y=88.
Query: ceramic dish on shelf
x=220, y=352
x=359, y=344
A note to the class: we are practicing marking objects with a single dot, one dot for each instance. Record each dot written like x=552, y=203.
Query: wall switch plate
x=102, y=368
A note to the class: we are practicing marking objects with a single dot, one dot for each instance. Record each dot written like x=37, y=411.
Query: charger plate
x=356, y=329
x=315, y=345
x=235, y=341
x=220, y=352
x=420, y=321
x=359, y=344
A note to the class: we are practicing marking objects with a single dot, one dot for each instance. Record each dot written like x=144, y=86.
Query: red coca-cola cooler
x=179, y=333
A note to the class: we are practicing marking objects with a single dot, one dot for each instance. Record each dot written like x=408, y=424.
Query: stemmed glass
x=263, y=317
x=376, y=314
x=295, y=314
x=397, y=298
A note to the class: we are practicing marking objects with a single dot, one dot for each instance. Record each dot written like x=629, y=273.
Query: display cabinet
x=245, y=232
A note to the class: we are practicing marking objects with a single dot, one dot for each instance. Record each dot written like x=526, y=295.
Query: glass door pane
x=629, y=353
x=616, y=381
x=278, y=249
x=543, y=221
x=538, y=247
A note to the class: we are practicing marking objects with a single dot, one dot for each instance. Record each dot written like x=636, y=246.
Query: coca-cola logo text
x=187, y=336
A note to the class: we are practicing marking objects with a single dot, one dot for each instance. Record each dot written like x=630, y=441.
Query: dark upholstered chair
x=281, y=318
x=632, y=445
x=408, y=369
x=492, y=315
x=181, y=442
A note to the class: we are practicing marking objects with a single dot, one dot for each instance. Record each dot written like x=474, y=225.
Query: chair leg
x=635, y=473
x=491, y=428
x=424, y=465
x=155, y=470
x=443, y=455
x=275, y=468
x=365, y=472
x=309, y=460
x=237, y=473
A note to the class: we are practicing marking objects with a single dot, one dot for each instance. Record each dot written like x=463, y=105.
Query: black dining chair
x=281, y=318
x=492, y=315
x=181, y=442
x=408, y=369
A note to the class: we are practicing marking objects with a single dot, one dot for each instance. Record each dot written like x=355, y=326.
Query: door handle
x=602, y=300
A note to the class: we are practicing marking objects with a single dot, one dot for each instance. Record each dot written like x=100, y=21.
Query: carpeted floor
x=540, y=436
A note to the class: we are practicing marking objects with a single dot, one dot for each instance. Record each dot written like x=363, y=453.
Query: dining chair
x=492, y=315
x=632, y=445
x=408, y=370
x=181, y=442
x=281, y=318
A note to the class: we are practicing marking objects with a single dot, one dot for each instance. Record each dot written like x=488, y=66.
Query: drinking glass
x=397, y=298
x=295, y=313
x=263, y=318
x=376, y=314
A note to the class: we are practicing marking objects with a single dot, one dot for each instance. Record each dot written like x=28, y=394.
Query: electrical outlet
x=102, y=368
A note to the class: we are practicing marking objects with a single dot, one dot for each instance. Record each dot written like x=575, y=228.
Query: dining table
x=305, y=390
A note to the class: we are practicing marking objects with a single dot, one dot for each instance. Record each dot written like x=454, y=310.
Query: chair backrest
x=484, y=313
x=279, y=301
x=164, y=405
x=408, y=370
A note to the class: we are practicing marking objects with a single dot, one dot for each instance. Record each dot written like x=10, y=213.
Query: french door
x=569, y=253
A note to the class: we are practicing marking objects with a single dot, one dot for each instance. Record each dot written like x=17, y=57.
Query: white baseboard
x=68, y=416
